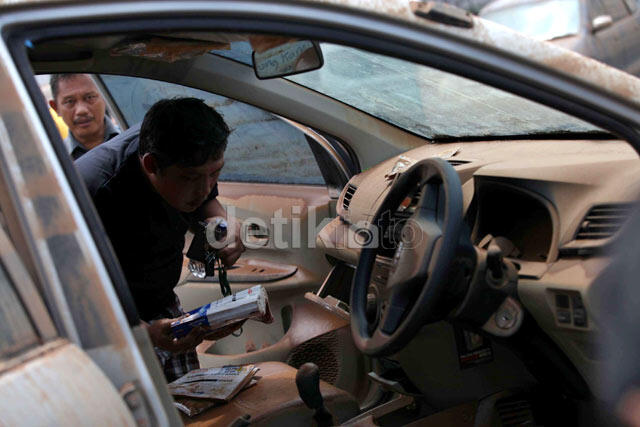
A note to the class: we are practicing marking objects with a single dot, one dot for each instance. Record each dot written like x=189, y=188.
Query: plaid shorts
x=176, y=365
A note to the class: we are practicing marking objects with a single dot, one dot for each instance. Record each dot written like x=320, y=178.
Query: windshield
x=428, y=102
x=543, y=20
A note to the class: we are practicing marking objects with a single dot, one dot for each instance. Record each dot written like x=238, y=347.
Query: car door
x=47, y=376
x=618, y=42
x=281, y=180
x=36, y=360
x=632, y=35
x=73, y=349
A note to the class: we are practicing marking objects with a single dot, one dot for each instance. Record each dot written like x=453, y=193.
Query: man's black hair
x=54, y=82
x=183, y=131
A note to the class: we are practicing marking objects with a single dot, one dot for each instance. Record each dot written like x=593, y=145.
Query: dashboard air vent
x=515, y=411
x=603, y=221
x=348, y=195
x=457, y=162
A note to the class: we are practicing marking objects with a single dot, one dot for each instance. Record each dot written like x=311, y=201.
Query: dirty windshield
x=428, y=102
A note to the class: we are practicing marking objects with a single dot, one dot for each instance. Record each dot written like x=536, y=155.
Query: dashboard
x=553, y=207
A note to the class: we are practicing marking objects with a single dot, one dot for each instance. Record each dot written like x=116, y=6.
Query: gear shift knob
x=308, y=383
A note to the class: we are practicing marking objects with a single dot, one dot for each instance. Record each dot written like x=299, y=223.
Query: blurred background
x=606, y=30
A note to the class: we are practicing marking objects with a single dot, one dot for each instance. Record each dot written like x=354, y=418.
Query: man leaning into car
x=150, y=184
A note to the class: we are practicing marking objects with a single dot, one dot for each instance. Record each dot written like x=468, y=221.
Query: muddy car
x=427, y=209
x=608, y=31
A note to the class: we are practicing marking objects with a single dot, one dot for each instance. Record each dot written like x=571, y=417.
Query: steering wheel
x=421, y=262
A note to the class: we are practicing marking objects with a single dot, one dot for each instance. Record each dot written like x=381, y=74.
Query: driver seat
x=274, y=400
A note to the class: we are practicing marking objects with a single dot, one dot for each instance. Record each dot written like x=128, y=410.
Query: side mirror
x=287, y=59
x=601, y=22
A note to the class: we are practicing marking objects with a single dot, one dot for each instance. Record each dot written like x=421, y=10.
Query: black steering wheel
x=418, y=272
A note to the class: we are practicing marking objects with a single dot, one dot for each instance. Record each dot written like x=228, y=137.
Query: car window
x=615, y=8
x=632, y=5
x=429, y=102
x=17, y=333
x=262, y=147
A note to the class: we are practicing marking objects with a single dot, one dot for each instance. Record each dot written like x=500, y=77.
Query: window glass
x=261, y=148
x=16, y=330
x=632, y=5
x=24, y=320
x=429, y=102
x=615, y=8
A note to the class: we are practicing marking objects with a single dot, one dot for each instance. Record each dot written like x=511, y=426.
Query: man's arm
x=229, y=254
x=213, y=208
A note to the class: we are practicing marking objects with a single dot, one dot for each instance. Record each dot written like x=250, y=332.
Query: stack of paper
x=202, y=389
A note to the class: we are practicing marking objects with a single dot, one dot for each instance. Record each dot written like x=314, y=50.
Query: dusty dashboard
x=553, y=205
x=533, y=195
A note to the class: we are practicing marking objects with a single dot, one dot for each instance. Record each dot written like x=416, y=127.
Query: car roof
x=483, y=31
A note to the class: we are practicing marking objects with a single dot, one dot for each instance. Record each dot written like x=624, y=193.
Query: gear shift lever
x=308, y=383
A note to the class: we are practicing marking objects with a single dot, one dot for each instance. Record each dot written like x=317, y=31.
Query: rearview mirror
x=601, y=22
x=287, y=59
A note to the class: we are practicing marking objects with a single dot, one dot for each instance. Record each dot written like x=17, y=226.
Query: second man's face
x=186, y=188
x=82, y=108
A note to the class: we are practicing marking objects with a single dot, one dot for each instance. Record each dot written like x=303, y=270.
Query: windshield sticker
x=402, y=164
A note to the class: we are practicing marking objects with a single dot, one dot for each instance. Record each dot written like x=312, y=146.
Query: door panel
x=287, y=266
x=291, y=214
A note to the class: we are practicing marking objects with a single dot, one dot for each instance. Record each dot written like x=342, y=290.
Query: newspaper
x=192, y=406
x=202, y=389
x=251, y=303
x=213, y=383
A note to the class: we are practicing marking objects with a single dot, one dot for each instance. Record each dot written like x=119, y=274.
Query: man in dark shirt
x=150, y=185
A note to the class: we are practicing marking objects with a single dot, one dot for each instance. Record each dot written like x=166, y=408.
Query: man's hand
x=161, y=336
x=230, y=253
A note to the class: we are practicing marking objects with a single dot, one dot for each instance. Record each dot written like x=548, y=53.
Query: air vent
x=457, y=162
x=603, y=221
x=515, y=411
x=348, y=195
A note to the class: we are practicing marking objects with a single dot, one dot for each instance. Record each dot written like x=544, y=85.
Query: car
x=428, y=210
x=605, y=30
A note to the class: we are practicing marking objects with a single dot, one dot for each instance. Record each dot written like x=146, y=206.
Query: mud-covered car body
x=605, y=30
